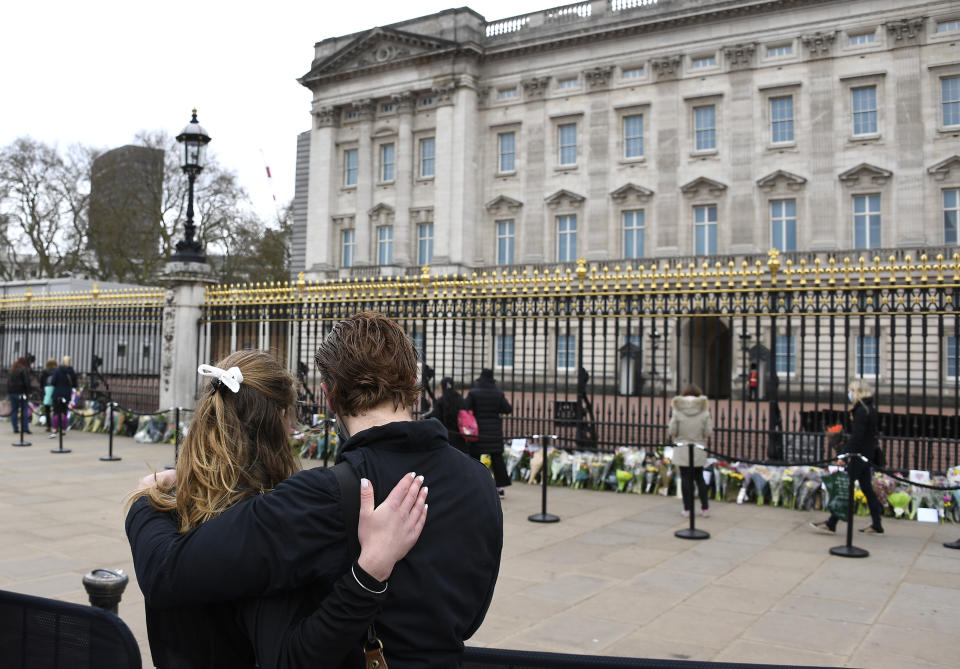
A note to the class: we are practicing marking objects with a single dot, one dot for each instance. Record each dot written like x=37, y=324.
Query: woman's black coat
x=487, y=403
x=863, y=433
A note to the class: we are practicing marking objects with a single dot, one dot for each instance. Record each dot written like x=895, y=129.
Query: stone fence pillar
x=184, y=284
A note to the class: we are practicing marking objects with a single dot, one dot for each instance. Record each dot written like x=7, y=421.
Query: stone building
x=631, y=131
x=622, y=129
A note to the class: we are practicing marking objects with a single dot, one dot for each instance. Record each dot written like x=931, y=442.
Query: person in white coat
x=690, y=422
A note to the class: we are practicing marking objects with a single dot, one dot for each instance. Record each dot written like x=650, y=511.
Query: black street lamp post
x=193, y=140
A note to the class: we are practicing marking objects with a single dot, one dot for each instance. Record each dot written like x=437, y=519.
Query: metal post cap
x=106, y=582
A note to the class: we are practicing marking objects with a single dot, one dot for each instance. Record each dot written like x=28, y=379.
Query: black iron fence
x=595, y=353
x=112, y=338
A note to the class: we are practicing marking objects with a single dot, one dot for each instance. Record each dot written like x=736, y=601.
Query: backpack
x=467, y=424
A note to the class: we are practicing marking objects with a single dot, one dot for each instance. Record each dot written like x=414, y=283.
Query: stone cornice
x=941, y=170
x=631, y=191
x=691, y=188
x=502, y=204
x=564, y=198
x=876, y=175
x=793, y=181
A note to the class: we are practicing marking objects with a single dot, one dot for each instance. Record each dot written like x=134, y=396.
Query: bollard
x=110, y=457
x=105, y=588
x=543, y=516
x=23, y=410
x=848, y=549
x=691, y=532
x=63, y=419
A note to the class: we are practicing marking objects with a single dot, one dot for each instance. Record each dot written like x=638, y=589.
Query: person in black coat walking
x=18, y=389
x=64, y=383
x=446, y=409
x=863, y=441
x=488, y=403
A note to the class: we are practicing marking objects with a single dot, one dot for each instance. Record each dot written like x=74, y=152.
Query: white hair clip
x=231, y=378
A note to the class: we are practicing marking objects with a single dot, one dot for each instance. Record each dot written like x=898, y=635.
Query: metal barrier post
x=105, y=588
x=691, y=532
x=849, y=550
x=176, y=438
x=326, y=440
x=20, y=418
x=543, y=516
x=63, y=419
x=110, y=457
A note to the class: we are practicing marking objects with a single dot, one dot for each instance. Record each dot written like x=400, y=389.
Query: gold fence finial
x=773, y=263
x=581, y=270
x=301, y=283
x=425, y=276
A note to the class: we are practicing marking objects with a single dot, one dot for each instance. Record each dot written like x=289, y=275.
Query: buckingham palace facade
x=631, y=129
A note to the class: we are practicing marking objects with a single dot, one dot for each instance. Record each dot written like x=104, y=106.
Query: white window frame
x=384, y=245
x=633, y=222
x=508, y=93
x=566, y=229
x=347, y=170
x=952, y=351
x=505, y=238
x=697, y=130
x=783, y=221
x=424, y=243
x=703, y=62
x=865, y=217
x=706, y=226
x=780, y=50
x=947, y=212
x=504, y=345
x=568, y=83
x=792, y=122
x=348, y=247
x=872, y=357
x=860, y=39
x=385, y=165
x=567, y=344
x=432, y=158
x=561, y=128
x=635, y=72
x=954, y=102
x=501, y=154
x=627, y=139
x=948, y=26
x=865, y=112
x=786, y=363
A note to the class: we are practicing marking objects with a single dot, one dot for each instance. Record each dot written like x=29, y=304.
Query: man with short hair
x=295, y=536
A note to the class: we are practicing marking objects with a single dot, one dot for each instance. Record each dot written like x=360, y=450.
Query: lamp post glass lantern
x=193, y=140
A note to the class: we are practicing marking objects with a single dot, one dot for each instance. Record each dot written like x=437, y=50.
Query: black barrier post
x=691, y=532
x=849, y=550
x=105, y=588
x=23, y=412
x=110, y=457
x=176, y=438
x=63, y=419
x=326, y=440
x=543, y=516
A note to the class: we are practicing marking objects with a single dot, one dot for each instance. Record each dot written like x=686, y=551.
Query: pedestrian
x=864, y=421
x=446, y=409
x=294, y=540
x=690, y=423
x=46, y=380
x=18, y=389
x=753, y=381
x=238, y=448
x=488, y=403
x=64, y=384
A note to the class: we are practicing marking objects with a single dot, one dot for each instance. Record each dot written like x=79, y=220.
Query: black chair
x=41, y=633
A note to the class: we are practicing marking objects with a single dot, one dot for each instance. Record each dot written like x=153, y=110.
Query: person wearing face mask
x=864, y=421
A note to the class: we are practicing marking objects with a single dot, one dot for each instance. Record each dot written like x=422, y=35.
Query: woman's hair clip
x=231, y=378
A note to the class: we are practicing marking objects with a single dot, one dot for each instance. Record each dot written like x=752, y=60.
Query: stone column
x=531, y=225
x=466, y=208
x=184, y=284
x=320, y=253
x=366, y=185
x=407, y=170
x=447, y=140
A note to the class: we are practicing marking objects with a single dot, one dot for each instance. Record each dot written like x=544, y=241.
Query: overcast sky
x=97, y=72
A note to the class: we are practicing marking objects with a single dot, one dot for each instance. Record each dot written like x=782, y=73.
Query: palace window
x=351, y=158
x=781, y=119
x=505, y=242
x=633, y=136
x=570, y=82
x=783, y=225
x=567, y=238
x=951, y=216
x=566, y=352
x=864, y=110
x=506, y=152
x=348, y=244
x=863, y=38
x=953, y=356
x=950, y=101
x=567, y=142
x=632, y=73
x=633, y=226
x=948, y=26
x=387, y=157
x=385, y=245
x=703, y=61
x=424, y=244
x=427, y=157
x=507, y=93
x=779, y=51
x=705, y=128
x=705, y=229
x=868, y=355
x=786, y=360
x=867, y=221
x=504, y=352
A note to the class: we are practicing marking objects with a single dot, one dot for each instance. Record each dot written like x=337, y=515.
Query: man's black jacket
x=294, y=537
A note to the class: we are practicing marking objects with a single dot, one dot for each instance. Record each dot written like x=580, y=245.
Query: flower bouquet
x=536, y=464
x=733, y=485
x=667, y=472
x=787, y=489
x=623, y=478
x=581, y=476
x=860, y=502
x=900, y=502
x=651, y=476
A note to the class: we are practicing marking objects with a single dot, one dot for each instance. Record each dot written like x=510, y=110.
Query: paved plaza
x=609, y=579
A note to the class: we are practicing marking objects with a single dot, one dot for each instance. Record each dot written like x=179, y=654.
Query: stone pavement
x=609, y=579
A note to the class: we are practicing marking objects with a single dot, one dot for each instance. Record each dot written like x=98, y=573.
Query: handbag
x=467, y=425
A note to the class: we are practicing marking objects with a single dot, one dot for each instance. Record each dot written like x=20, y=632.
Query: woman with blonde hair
x=864, y=421
x=237, y=447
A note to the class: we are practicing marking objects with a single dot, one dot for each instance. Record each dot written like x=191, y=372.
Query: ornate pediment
x=564, y=198
x=789, y=179
x=502, y=205
x=941, y=170
x=865, y=172
x=701, y=184
x=381, y=214
x=375, y=47
x=631, y=192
